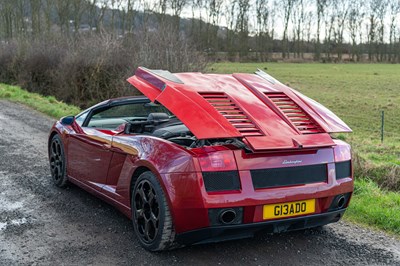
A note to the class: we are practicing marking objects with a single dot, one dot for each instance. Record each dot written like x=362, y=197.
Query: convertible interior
x=150, y=119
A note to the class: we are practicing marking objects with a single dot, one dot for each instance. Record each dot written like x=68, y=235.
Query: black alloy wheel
x=147, y=211
x=151, y=217
x=57, y=162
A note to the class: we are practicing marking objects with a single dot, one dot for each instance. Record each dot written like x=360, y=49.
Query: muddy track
x=43, y=225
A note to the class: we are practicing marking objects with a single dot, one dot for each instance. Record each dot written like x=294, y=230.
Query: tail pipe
x=341, y=201
x=227, y=216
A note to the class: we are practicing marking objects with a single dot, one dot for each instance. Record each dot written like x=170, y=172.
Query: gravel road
x=43, y=225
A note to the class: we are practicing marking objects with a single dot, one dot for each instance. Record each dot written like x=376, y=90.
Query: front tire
x=151, y=217
x=58, y=162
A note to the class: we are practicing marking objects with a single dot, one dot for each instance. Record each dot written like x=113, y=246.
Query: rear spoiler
x=311, y=141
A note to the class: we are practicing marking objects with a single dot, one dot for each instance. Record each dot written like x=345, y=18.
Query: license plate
x=288, y=209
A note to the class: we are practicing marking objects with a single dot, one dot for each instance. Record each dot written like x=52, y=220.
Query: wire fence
x=381, y=125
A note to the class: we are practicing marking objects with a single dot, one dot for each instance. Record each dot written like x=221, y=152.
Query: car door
x=89, y=156
x=89, y=151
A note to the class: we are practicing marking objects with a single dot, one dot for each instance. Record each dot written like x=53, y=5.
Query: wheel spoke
x=155, y=227
x=58, y=171
x=143, y=195
x=146, y=230
x=58, y=149
x=153, y=218
x=139, y=213
x=53, y=148
x=151, y=196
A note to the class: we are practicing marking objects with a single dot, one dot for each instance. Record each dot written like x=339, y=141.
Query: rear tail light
x=217, y=161
x=219, y=170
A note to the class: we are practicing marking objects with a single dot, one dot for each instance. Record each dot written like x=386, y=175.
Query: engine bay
x=170, y=128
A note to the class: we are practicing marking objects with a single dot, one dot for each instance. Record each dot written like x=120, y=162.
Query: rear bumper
x=229, y=232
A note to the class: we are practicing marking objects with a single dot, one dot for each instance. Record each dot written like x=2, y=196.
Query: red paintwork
x=247, y=91
x=104, y=162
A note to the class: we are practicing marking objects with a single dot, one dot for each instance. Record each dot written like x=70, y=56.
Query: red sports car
x=208, y=157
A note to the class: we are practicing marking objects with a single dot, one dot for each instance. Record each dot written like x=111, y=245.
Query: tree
x=354, y=26
x=342, y=12
x=78, y=9
x=394, y=8
x=177, y=7
x=262, y=14
x=63, y=11
x=287, y=8
x=329, y=21
x=35, y=16
x=376, y=8
x=213, y=11
x=321, y=5
x=230, y=16
x=48, y=6
x=381, y=12
x=242, y=25
x=298, y=21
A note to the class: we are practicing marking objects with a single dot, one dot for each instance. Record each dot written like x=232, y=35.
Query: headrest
x=157, y=117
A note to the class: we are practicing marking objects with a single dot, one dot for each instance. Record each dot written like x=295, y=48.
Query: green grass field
x=357, y=93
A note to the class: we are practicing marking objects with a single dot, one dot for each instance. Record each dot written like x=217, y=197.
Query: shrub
x=93, y=67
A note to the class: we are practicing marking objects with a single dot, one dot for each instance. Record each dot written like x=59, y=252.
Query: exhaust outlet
x=227, y=216
x=341, y=201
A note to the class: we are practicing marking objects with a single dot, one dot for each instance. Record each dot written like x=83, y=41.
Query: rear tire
x=151, y=217
x=57, y=160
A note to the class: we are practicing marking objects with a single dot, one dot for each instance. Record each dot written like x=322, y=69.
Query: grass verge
x=45, y=104
x=374, y=207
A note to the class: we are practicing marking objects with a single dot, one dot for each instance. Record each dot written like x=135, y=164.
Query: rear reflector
x=343, y=169
x=221, y=181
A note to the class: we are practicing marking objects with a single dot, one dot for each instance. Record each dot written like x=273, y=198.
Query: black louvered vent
x=289, y=176
x=343, y=169
x=303, y=122
x=221, y=181
x=221, y=102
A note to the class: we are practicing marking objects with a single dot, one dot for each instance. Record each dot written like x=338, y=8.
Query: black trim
x=289, y=176
x=229, y=232
x=343, y=169
x=113, y=103
x=221, y=181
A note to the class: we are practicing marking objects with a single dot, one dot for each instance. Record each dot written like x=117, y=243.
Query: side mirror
x=67, y=120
